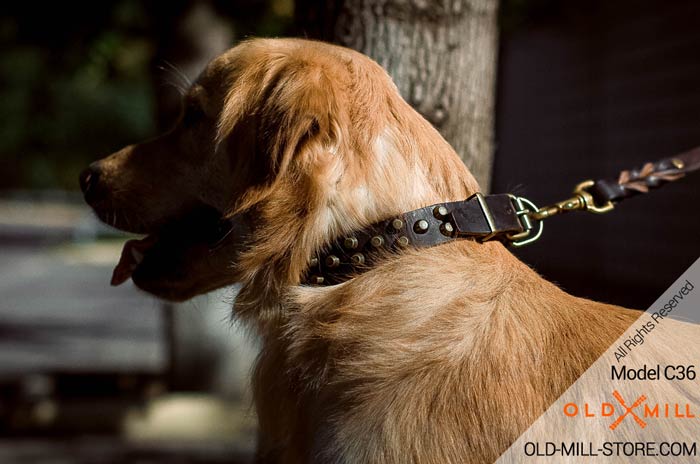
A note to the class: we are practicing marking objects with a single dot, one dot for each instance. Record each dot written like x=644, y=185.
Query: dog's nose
x=89, y=181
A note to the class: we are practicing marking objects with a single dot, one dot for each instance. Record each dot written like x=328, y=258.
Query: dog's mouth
x=132, y=256
x=185, y=257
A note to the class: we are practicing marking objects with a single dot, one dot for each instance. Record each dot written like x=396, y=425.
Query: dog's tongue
x=132, y=255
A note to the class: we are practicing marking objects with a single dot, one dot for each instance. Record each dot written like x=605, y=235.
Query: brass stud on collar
x=446, y=229
x=358, y=258
x=440, y=212
x=397, y=224
x=350, y=243
x=377, y=241
x=402, y=241
x=316, y=280
x=421, y=226
x=313, y=262
x=679, y=164
x=332, y=261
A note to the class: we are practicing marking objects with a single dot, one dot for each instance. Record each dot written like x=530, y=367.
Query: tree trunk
x=441, y=54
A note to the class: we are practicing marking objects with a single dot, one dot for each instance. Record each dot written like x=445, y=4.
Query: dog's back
x=424, y=359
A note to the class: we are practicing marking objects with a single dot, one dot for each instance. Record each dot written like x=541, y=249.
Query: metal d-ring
x=524, y=208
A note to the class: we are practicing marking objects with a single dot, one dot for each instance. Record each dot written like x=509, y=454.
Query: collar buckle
x=488, y=216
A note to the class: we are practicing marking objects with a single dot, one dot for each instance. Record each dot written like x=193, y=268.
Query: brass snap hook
x=582, y=200
x=531, y=216
x=591, y=207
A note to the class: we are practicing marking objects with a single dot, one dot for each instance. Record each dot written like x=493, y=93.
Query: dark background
x=585, y=90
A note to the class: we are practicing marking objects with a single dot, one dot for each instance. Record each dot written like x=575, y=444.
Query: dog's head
x=296, y=142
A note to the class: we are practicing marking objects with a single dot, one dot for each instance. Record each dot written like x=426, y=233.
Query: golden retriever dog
x=419, y=359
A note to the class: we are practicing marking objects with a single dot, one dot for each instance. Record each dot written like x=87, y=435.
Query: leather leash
x=508, y=218
x=601, y=196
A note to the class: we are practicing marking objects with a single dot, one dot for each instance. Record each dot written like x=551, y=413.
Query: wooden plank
x=58, y=313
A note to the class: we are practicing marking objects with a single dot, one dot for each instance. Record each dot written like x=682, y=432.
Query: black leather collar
x=480, y=217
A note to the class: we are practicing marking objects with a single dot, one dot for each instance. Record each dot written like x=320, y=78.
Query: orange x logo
x=628, y=410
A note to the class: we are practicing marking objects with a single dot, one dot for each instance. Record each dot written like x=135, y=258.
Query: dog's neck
x=482, y=272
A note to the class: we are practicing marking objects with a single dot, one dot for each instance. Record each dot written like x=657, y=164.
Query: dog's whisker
x=184, y=81
x=169, y=82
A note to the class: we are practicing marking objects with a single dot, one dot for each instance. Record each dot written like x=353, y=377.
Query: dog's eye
x=192, y=114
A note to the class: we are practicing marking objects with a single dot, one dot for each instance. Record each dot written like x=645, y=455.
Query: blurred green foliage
x=65, y=103
x=77, y=79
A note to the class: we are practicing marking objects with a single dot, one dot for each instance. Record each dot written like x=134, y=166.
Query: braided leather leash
x=601, y=196
x=650, y=176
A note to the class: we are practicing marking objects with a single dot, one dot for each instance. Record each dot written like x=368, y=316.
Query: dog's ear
x=287, y=116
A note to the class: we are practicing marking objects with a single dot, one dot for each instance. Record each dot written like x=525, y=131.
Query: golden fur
x=424, y=357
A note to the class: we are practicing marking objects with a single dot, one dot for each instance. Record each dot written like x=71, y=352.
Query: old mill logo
x=640, y=410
